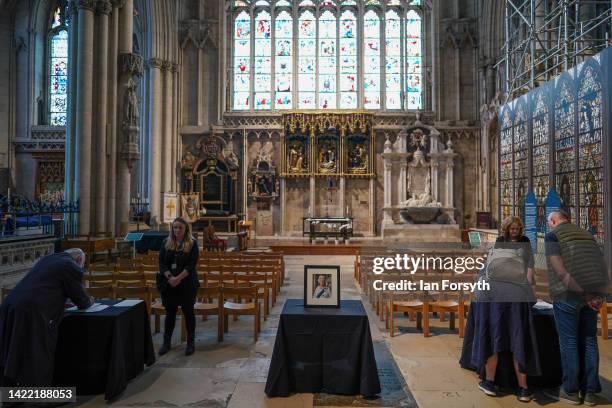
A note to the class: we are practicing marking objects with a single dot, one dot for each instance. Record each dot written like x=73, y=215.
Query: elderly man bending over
x=30, y=316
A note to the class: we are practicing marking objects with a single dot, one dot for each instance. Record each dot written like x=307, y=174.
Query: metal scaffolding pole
x=546, y=37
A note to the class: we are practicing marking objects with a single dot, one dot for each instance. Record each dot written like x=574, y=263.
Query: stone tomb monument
x=418, y=176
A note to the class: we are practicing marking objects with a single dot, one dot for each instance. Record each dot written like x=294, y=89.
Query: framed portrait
x=321, y=285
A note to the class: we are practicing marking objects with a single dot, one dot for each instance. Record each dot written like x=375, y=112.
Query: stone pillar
x=434, y=178
x=167, y=171
x=176, y=148
x=70, y=144
x=313, y=202
x=401, y=183
x=449, y=183
x=342, y=200
x=127, y=113
x=155, y=158
x=372, y=207
x=112, y=115
x=387, y=196
x=84, y=96
x=104, y=8
x=283, y=194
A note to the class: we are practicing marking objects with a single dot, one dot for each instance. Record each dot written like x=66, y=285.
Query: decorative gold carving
x=357, y=121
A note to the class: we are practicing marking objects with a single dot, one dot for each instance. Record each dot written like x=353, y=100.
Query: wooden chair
x=264, y=287
x=412, y=302
x=129, y=277
x=205, y=307
x=232, y=307
x=98, y=279
x=134, y=292
x=101, y=292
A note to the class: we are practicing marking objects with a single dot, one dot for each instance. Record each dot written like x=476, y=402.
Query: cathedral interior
x=412, y=120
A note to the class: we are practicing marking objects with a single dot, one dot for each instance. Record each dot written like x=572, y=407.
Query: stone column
x=176, y=148
x=283, y=194
x=167, y=172
x=127, y=112
x=104, y=8
x=434, y=178
x=372, y=207
x=387, y=195
x=70, y=144
x=112, y=115
x=84, y=96
x=312, y=203
x=342, y=199
x=155, y=158
x=449, y=182
x=401, y=183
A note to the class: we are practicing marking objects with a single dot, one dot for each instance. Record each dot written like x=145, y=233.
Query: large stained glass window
x=327, y=60
x=284, y=55
x=505, y=165
x=242, y=61
x=371, y=52
x=263, y=60
x=414, y=85
x=307, y=51
x=327, y=54
x=393, y=55
x=348, y=60
x=519, y=145
x=590, y=157
x=540, y=155
x=565, y=147
x=58, y=69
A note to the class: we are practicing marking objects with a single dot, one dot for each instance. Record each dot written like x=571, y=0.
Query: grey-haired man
x=30, y=316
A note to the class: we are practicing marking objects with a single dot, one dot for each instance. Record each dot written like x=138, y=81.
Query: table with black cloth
x=321, y=349
x=100, y=352
x=547, y=347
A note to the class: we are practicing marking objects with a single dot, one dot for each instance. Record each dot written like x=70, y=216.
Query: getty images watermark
x=431, y=264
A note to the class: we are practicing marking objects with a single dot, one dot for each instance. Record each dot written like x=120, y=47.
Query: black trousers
x=185, y=298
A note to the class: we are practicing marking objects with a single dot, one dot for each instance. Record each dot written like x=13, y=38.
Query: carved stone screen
x=552, y=138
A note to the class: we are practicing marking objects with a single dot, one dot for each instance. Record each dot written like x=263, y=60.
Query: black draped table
x=100, y=352
x=547, y=346
x=323, y=350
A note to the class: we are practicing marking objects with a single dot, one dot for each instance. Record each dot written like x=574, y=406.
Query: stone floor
x=414, y=371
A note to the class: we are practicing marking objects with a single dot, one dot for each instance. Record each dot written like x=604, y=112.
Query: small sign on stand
x=133, y=236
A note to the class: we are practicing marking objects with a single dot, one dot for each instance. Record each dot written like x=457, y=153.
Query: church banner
x=189, y=207
x=170, y=207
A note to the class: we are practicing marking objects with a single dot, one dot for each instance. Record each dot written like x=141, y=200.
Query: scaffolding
x=546, y=37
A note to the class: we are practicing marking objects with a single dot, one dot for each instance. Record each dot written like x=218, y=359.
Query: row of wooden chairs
x=229, y=301
x=415, y=303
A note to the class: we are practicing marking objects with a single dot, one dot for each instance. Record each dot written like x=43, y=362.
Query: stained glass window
x=58, y=70
x=590, y=158
x=348, y=61
x=565, y=147
x=307, y=34
x=263, y=60
x=519, y=145
x=414, y=85
x=540, y=154
x=242, y=61
x=371, y=67
x=326, y=54
x=505, y=166
x=327, y=61
x=393, y=55
x=284, y=55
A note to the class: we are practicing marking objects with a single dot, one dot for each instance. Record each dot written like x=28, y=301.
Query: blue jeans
x=577, y=327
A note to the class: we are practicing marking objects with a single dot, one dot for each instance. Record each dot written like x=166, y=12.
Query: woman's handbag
x=161, y=282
